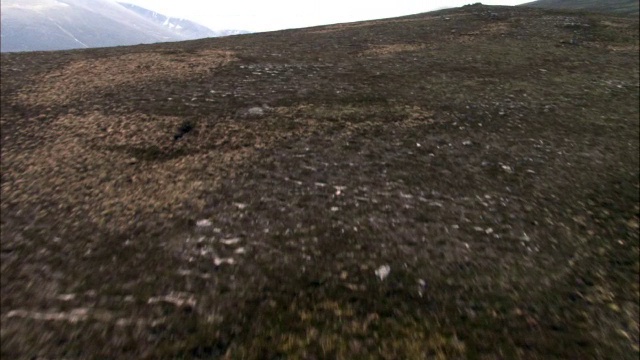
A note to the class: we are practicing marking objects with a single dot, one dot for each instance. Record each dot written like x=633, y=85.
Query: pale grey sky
x=256, y=15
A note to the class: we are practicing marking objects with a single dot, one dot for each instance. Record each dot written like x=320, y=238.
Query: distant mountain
x=626, y=7
x=29, y=25
x=184, y=27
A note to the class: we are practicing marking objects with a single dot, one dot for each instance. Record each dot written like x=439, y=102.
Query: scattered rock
x=177, y=299
x=507, y=168
x=575, y=25
x=219, y=261
x=383, y=271
x=255, y=111
x=66, y=297
x=231, y=241
x=204, y=223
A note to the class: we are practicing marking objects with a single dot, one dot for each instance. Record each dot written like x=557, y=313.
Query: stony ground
x=457, y=184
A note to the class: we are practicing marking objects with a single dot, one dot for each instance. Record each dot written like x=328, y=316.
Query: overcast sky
x=257, y=15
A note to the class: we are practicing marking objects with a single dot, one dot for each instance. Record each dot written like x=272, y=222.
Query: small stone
x=66, y=297
x=177, y=299
x=219, y=261
x=204, y=223
x=467, y=143
x=231, y=241
x=383, y=271
x=255, y=111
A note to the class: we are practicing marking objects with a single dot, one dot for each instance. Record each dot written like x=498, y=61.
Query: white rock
x=255, y=111
x=219, y=261
x=203, y=223
x=231, y=241
x=66, y=297
x=383, y=271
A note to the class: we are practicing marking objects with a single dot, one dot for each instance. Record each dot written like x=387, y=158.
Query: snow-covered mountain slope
x=183, y=27
x=28, y=25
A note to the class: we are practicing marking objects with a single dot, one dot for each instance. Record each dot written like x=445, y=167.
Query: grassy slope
x=487, y=155
x=627, y=7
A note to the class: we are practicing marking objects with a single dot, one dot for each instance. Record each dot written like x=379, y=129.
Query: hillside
x=624, y=7
x=455, y=184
